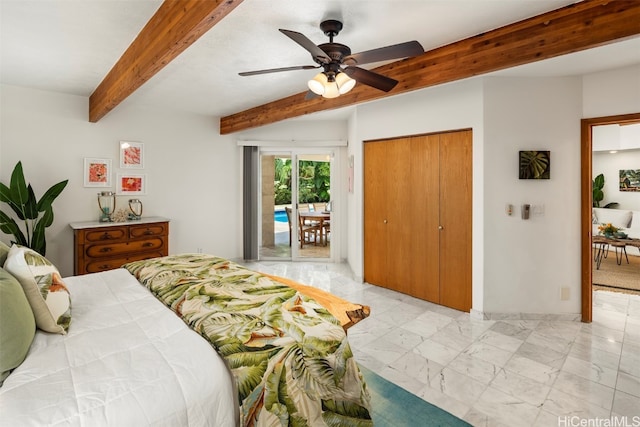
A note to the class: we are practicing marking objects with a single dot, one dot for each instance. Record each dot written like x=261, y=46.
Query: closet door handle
x=440, y=228
x=384, y=221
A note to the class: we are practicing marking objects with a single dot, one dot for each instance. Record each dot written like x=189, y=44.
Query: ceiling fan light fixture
x=331, y=90
x=345, y=83
x=318, y=83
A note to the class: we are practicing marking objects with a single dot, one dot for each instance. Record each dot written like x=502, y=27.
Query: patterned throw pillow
x=43, y=286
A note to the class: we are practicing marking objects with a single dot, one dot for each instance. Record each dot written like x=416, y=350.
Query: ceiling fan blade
x=370, y=78
x=304, y=41
x=277, y=70
x=396, y=51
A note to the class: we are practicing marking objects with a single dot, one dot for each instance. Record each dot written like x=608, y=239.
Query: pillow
x=635, y=220
x=4, y=251
x=43, y=286
x=17, y=324
x=618, y=217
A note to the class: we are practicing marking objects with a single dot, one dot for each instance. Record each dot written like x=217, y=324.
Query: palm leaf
x=5, y=196
x=248, y=378
x=50, y=195
x=345, y=414
x=19, y=194
x=35, y=259
x=38, y=242
x=316, y=347
x=534, y=164
x=8, y=225
x=276, y=396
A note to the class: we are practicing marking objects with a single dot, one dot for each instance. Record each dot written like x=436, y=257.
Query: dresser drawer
x=112, y=263
x=136, y=231
x=112, y=234
x=113, y=249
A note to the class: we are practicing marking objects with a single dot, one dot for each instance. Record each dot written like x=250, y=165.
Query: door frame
x=586, y=203
x=294, y=153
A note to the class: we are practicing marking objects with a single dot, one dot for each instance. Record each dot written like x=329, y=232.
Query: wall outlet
x=565, y=294
x=199, y=250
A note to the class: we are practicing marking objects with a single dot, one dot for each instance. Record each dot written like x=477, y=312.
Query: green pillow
x=17, y=324
x=4, y=251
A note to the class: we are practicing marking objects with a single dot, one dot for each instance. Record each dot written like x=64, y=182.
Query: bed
x=165, y=342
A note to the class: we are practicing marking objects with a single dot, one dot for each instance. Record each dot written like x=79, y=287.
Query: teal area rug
x=393, y=406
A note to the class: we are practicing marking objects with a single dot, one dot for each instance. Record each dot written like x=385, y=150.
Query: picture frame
x=630, y=180
x=131, y=184
x=534, y=164
x=131, y=155
x=97, y=172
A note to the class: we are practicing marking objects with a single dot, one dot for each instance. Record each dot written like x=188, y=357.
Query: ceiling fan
x=340, y=69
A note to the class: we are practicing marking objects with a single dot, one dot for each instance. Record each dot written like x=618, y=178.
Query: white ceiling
x=70, y=45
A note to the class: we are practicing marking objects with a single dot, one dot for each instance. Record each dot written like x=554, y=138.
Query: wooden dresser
x=101, y=246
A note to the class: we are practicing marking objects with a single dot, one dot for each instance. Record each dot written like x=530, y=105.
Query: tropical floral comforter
x=289, y=356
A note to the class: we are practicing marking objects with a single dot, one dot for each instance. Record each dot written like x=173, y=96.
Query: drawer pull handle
x=105, y=267
x=148, y=233
x=106, y=236
x=147, y=245
x=106, y=249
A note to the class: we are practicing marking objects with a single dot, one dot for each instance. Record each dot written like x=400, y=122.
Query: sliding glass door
x=314, y=205
x=295, y=204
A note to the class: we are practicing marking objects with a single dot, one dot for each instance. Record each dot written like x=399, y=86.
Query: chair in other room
x=307, y=231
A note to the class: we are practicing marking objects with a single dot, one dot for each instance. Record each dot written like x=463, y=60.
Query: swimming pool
x=280, y=216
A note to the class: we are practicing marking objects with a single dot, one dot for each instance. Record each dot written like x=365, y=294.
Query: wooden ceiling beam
x=173, y=28
x=573, y=28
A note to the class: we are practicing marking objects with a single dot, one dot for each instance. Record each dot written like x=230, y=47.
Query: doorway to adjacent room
x=586, y=185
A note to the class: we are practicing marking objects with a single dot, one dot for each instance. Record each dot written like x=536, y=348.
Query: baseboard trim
x=568, y=317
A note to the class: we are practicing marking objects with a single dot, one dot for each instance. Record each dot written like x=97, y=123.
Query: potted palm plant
x=36, y=214
x=598, y=192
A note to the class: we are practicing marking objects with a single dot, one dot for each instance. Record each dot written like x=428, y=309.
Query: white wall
x=192, y=171
x=610, y=165
x=354, y=200
x=528, y=261
x=298, y=131
x=612, y=92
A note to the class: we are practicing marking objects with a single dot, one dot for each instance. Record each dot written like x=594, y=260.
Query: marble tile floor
x=494, y=372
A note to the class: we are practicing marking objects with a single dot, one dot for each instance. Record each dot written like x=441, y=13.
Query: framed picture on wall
x=131, y=155
x=629, y=179
x=534, y=165
x=131, y=184
x=97, y=172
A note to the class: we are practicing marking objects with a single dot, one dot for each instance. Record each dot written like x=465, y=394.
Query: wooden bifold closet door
x=417, y=216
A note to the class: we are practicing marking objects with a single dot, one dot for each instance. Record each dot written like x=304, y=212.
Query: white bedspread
x=127, y=361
